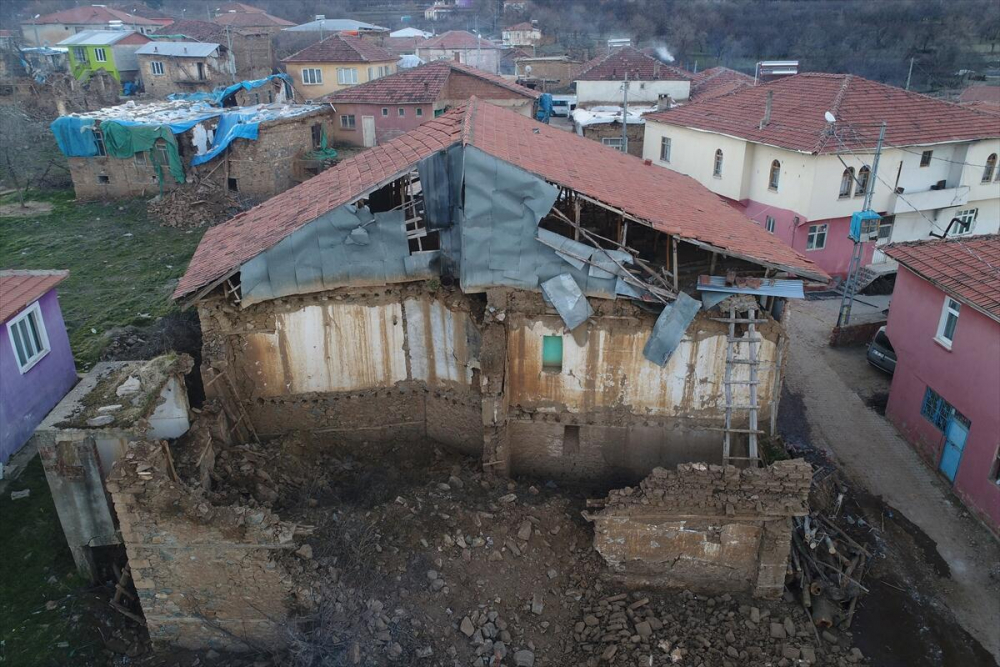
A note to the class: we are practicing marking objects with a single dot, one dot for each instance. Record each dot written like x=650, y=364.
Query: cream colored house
x=335, y=63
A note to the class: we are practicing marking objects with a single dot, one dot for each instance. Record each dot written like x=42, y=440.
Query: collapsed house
x=604, y=124
x=258, y=150
x=506, y=289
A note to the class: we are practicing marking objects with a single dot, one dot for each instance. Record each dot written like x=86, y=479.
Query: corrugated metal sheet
x=180, y=49
x=789, y=289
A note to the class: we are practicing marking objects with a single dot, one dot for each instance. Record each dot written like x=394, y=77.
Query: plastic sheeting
x=220, y=95
x=347, y=246
x=123, y=140
x=75, y=136
x=669, y=329
x=231, y=126
x=565, y=295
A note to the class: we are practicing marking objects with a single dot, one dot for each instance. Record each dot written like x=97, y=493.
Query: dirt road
x=832, y=386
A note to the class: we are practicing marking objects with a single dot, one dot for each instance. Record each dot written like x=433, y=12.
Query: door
x=955, y=435
x=368, y=131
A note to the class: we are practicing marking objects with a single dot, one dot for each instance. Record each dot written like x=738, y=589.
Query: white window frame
x=612, y=142
x=385, y=112
x=769, y=223
x=80, y=54
x=156, y=67
x=774, y=176
x=346, y=124
x=846, y=183
x=312, y=76
x=950, y=308
x=34, y=312
x=665, y=147
x=717, y=163
x=420, y=112
x=347, y=76
x=968, y=217
x=815, y=232
x=100, y=55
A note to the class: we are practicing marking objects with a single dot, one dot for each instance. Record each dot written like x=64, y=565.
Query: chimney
x=664, y=102
x=767, y=110
x=456, y=57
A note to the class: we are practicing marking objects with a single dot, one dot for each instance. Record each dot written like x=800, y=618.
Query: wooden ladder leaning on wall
x=751, y=341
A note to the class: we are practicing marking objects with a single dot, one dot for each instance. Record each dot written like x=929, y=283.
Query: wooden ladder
x=732, y=361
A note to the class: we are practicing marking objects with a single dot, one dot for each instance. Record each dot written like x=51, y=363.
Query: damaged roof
x=716, y=81
x=664, y=199
x=419, y=85
x=19, y=289
x=967, y=269
x=797, y=115
x=613, y=66
x=201, y=31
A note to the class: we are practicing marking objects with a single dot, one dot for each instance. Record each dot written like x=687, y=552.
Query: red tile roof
x=669, y=201
x=419, y=85
x=19, y=289
x=403, y=45
x=91, y=15
x=797, y=115
x=717, y=81
x=239, y=7
x=988, y=94
x=341, y=48
x=250, y=20
x=143, y=10
x=458, y=39
x=201, y=31
x=967, y=269
x=613, y=65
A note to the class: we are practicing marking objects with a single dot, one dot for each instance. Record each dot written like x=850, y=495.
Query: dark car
x=880, y=352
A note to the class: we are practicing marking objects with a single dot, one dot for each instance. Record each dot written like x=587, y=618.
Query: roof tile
x=613, y=65
x=341, y=48
x=19, y=289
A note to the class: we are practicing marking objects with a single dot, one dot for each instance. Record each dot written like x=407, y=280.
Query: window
x=401, y=112
x=232, y=184
x=864, y=174
x=885, y=228
x=420, y=112
x=99, y=138
x=79, y=54
x=347, y=75
x=966, y=220
x=846, y=182
x=774, y=176
x=385, y=111
x=769, y=224
x=201, y=71
x=371, y=73
x=162, y=157
x=613, y=142
x=816, y=239
x=156, y=67
x=948, y=322
x=665, y=149
x=552, y=354
x=139, y=158
x=28, y=337
x=717, y=167
x=312, y=76
x=382, y=71
x=347, y=121
x=925, y=158
x=317, y=135
x=571, y=440
x=103, y=179
x=991, y=165
x=100, y=55
x=938, y=411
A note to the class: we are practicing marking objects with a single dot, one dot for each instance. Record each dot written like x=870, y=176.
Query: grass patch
x=123, y=265
x=38, y=569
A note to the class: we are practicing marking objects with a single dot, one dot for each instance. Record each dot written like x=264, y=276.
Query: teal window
x=938, y=411
x=552, y=353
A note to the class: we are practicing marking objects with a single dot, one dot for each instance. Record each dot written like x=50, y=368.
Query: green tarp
x=124, y=141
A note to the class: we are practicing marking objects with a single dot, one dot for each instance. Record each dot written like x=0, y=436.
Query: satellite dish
x=830, y=118
x=527, y=69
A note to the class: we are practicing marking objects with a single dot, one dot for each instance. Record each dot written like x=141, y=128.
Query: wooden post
x=576, y=214
x=711, y=268
x=676, y=267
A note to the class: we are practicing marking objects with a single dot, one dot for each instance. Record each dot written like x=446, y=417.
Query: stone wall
x=601, y=131
x=705, y=528
x=207, y=576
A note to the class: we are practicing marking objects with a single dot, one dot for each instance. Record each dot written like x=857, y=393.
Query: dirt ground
x=30, y=209
x=939, y=583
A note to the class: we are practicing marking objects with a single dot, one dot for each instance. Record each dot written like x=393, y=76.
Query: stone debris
x=130, y=386
x=101, y=420
x=18, y=495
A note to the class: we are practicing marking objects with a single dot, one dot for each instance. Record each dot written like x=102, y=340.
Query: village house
x=249, y=49
x=36, y=363
x=770, y=149
x=546, y=73
x=110, y=50
x=464, y=47
x=375, y=112
x=600, y=81
x=522, y=34
x=137, y=150
x=335, y=63
x=604, y=124
x=238, y=16
x=143, y=10
x=717, y=81
x=326, y=26
x=50, y=29
x=944, y=325
x=183, y=67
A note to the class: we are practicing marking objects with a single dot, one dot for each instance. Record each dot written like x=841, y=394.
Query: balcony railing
x=929, y=200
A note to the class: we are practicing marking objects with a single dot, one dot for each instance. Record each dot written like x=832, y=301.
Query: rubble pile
x=187, y=208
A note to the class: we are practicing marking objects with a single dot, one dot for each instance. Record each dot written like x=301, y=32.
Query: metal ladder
x=732, y=361
x=850, y=285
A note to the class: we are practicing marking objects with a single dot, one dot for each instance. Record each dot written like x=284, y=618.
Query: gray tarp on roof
x=346, y=246
x=441, y=185
x=669, y=329
x=565, y=295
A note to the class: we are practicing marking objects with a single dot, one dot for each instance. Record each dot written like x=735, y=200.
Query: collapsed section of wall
x=207, y=577
x=705, y=528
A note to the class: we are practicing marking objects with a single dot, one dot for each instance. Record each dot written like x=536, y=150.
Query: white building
x=464, y=47
x=770, y=150
x=601, y=81
x=521, y=34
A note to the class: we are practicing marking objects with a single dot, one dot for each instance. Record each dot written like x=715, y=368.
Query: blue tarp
x=75, y=136
x=219, y=95
x=231, y=126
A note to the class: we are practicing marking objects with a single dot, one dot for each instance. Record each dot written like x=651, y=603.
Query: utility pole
x=866, y=214
x=910, y=73
x=625, y=115
x=232, y=60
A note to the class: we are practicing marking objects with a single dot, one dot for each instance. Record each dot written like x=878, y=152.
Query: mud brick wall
x=125, y=178
x=207, y=577
x=614, y=131
x=705, y=528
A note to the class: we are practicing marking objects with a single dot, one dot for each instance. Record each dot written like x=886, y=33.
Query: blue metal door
x=955, y=434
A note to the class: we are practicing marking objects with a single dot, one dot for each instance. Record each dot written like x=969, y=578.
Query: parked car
x=880, y=352
x=563, y=105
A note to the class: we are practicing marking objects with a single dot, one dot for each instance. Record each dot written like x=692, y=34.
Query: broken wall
x=705, y=528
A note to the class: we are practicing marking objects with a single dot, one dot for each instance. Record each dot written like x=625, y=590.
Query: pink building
x=944, y=324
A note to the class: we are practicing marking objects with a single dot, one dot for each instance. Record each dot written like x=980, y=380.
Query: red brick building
x=377, y=111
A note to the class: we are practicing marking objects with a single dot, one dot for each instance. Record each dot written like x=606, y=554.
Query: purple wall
x=967, y=376
x=26, y=399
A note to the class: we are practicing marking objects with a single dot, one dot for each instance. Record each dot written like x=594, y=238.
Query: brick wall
x=253, y=53
x=614, y=131
x=180, y=75
x=387, y=127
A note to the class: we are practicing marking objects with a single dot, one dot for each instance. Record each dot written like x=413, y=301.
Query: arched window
x=717, y=167
x=991, y=165
x=846, y=182
x=772, y=180
x=863, y=175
